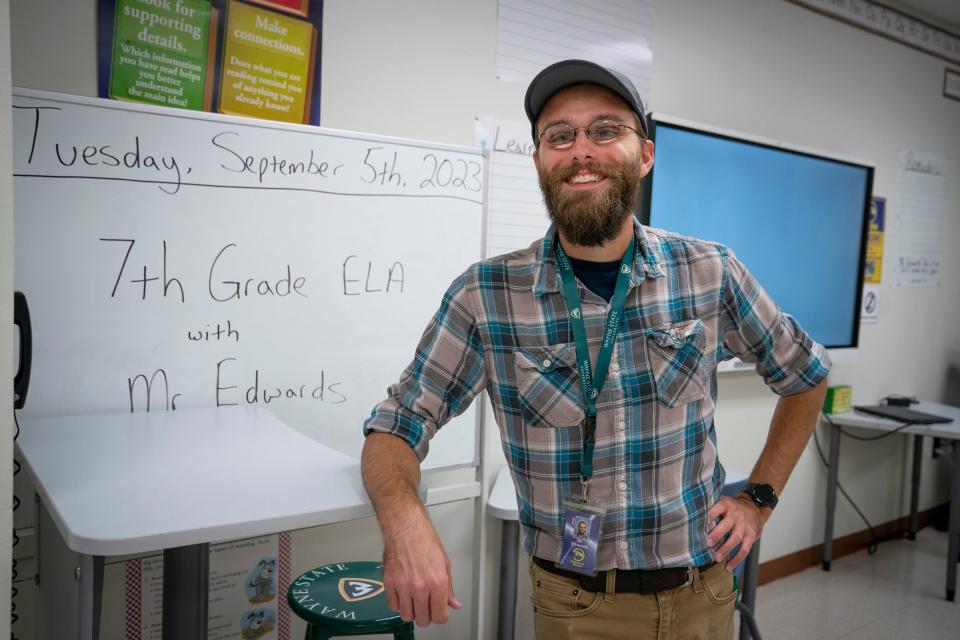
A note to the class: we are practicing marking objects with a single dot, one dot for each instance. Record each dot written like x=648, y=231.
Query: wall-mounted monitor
x=796, y=217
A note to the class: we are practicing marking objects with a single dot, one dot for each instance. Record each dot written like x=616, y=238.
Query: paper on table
x=918, y=221
x=516, y=215
x=532, y=35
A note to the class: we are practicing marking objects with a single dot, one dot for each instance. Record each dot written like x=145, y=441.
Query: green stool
x=345, y=599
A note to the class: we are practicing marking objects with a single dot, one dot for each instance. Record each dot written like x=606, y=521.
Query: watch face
x=764, y=493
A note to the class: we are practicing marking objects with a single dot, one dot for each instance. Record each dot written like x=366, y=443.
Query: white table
x=176, y=481
x=948, y=431
x=502, y=504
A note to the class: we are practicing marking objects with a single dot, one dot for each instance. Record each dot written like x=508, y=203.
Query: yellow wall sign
x=874, y=260
x=266, y=64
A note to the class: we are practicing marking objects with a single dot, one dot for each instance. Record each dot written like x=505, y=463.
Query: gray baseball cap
x=568, y=73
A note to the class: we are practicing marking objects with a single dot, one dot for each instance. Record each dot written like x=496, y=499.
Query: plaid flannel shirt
x=503, y=326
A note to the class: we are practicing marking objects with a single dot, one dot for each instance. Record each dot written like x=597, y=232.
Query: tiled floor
x=896, y=593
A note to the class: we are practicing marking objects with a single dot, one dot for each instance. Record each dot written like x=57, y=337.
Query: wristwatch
x=762, y=494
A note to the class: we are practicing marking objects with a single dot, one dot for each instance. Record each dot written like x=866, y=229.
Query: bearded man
x=598, y=347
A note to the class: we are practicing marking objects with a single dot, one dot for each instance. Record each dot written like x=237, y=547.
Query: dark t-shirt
x=599, y=277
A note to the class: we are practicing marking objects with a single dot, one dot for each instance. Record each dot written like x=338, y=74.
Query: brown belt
x=629, y=581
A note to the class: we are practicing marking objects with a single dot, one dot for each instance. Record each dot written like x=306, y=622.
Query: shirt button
x=624, y=544
x=621, y=425
x=546, y=363
x=623, y=486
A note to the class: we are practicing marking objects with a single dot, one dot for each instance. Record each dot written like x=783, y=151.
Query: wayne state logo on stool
x=345, y=591
x=346, y=598
x=357, y=589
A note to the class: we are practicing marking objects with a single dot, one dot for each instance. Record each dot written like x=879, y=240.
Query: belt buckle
x=689, y=579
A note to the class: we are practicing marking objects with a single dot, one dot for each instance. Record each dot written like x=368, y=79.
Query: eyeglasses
x=563, y=135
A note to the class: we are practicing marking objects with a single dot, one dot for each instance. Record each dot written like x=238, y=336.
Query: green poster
x=160, y=50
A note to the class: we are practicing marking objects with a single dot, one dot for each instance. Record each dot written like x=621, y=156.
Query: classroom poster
x=873, y=262
x=873, y=267
x=161, y=53
x=516, y=215
x=266, y=64
x=296, y=7
x=870, y=304
x=919, y=218
x=247, y=592
x=258, y=58
x=615, y=34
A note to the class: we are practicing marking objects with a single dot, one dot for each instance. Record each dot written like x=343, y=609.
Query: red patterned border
x=283, y=582
x=133, y=581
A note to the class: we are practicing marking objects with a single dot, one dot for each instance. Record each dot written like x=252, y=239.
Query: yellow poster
x=874, y=259
x=266, y=64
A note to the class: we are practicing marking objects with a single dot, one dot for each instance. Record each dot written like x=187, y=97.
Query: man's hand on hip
x=416, y=574
x=742, y=520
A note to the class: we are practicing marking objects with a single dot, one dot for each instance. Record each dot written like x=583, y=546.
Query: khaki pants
x=703, y=610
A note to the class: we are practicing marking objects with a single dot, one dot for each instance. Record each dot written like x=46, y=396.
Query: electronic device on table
x=903, y=414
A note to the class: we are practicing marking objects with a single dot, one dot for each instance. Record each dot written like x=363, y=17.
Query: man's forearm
x=416, y=570
x=793, y=422
x=391, y=476
x=738, y=521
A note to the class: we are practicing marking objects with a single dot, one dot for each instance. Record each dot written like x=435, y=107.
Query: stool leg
x=406, y=633
x=315, y=633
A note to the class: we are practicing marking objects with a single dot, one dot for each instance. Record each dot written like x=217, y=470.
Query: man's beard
x=592, y=217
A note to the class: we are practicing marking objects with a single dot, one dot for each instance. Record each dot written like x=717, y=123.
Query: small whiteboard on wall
x=175, y=259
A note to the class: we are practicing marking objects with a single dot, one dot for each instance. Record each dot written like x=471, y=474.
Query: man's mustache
x=604, y=170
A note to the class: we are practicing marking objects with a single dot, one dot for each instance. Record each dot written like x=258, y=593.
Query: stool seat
x=345, y=599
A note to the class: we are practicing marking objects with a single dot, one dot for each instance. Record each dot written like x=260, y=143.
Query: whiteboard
x=218, y=260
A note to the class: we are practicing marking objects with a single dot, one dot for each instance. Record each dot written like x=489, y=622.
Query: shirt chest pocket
x=675, y=352
x=549, y=386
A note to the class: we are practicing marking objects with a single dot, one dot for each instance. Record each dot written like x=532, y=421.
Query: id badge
x=581, y=536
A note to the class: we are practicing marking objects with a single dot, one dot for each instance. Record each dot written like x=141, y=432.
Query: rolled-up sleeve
x=756, y=330
x=446, y=373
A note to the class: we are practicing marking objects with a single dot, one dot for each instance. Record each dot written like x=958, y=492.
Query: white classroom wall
x=426, y=68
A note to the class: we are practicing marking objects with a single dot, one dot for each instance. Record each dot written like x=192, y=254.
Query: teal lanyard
x=591, y=386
